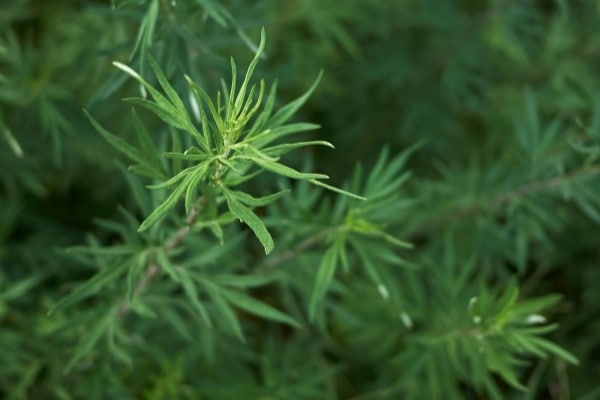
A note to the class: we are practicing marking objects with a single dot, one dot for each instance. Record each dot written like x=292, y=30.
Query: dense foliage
x=299, y=200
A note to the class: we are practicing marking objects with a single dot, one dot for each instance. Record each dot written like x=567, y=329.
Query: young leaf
x=260, y=201
x=335, y=189
x=285, y=170
x=246, y=215
x=290, y=109
x=160, y=211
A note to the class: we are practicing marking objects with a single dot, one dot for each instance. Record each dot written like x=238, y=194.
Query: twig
x=507, y=197
x=152, y=269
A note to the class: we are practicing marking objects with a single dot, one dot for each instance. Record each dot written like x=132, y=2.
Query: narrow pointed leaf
x=164, y=208
x=90, y=287
x=246, y=215
x=223, y=308
x=259, y=201
x=335, y=189
x=253, y=306
x=290, y=109
x=323, y=280
x=192, y=294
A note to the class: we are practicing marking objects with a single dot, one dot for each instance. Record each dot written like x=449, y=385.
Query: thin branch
x=152, y=269
x=525, y=190
x=306, y=244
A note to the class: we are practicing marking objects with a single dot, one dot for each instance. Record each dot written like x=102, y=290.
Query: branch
x=507, y=197
x=152, y=269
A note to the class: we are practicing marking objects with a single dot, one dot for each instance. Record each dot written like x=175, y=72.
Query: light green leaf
x=267, y=136
x=290, y=109
x=337, y=190
x=12, y=142
x=172, y=180
x=156, y=95
x=164, y=83
x=169, y=114
x=160, y=211
x=192, y=186
x=265, y=113
x=285, y=170
x=260, y=201
x=246, y=215
x=239, y=100
x=287, y=147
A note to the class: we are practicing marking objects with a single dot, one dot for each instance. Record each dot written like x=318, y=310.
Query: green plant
x=178, y=244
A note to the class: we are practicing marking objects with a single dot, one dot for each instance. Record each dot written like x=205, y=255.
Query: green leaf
x=214, y=10
x=147, y=145
x=168, y=114
x=162, y=210
x=271, y=134
x=192, y=186
x=12, y=142
x=335, y=189
x=192, y=294
x=90, y=338
x=258, y=308
x=266, y=112
x=146, y=32
x=285, y=170
x=224, y=310
x=119, y=144
x=323, y=280
x=241, y=281
x=239, y=100
x=558, y=351
x=287, y=147
x=156, y=95
x=91, y=286
x=290, y=109
x=134, y=274
x=260, y=201
x=165, y=262
x=19, y=288
x=246, y=215
x=174, y=179
x=166, y=86
x=506, y=302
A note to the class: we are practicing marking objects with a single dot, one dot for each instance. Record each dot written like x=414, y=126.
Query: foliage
x=178, y=244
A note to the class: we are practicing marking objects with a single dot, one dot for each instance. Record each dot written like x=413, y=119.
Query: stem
x=152, y=269
x=506, y=197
